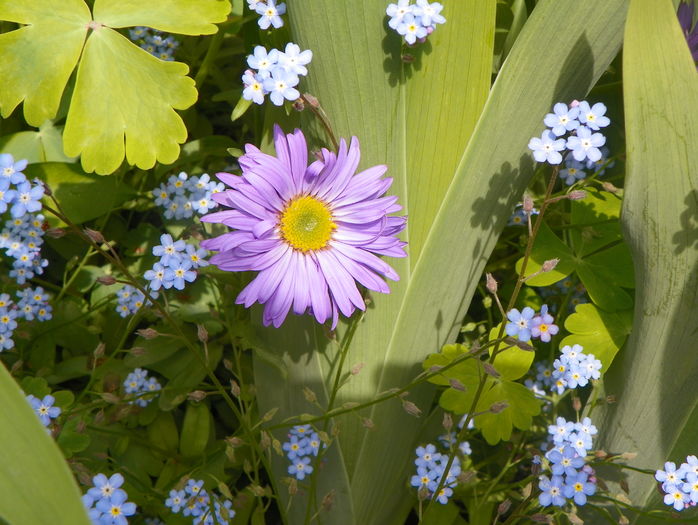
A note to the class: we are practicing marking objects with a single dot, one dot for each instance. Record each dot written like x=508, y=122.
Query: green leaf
x=37, y=59
x=45, y=145
x=240, y=108
x=83, y=197
x=462, y=371
x=146, y=91
x=548, y=246
x=511, y=363
x=195, y=430
x=174, y=16
x=33, y=468
x=522, y=405
x=653, y=377
x=600, y=333
x=70, y=439
x=163, y=432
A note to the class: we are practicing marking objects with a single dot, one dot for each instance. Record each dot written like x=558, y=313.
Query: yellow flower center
x=306, y=224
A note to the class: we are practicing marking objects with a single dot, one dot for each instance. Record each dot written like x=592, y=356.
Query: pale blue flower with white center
x=26, y=198
x=585, y=145
x=252, y=4
x=397, y=12
x=133, y=382
x=281, y=86
x=162, y=195
x=580, y=442
x=104, y=488
x=411, y=29
x=11, y=170
x=675, y=497
x=520, y=323
x=670, y=476
x=426, y=456
x=585, y=426
x=293, y=60
x=176, y=500
x=429, y=13
x=547, y=148
x=562, y=119
x=203, y=204
x=271, y=14
x=263, y=61
x=593, y=117
x=691, y=465
x=253, y=87
x=44, y=408
x=116, y=509
x=567, y=462
x=159, y=277
x=169, y=250
x=5, y=197
x=301, y=430
x=551, y=491
x=543, y=325
x=423, y=478
x=314, y=444
x=592, y=366
x=575, y=376
x=300, y=468
x=573, y=171
x=295, y=447
x=6, y=341
x=578, y=488
x=7, y=320
x=196, y=256
x=182, y=273
x=561, y=430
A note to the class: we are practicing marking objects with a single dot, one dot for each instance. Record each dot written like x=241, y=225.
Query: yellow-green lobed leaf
x=187, y=17
x=114, y=73
x=38, y=58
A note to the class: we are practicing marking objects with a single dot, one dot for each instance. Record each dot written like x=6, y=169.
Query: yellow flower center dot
x=306, y=224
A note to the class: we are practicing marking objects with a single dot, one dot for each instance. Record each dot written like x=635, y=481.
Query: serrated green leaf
x=522, y=405
x=195, y=430
x=83, y=197
x=600, y=333
x=38, y=58
x=33, y=468
x=174, y=16
x=653, y=378
x=146, y=91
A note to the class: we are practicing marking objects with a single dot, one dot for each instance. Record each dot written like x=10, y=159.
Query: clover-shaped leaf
x=511, y=363
x=37, y=59
x=600, y=333
x=124, y=99
x=598, y=255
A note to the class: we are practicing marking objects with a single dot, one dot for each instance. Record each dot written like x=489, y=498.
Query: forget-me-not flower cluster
x=154, y=42
x=32, y=304
x=270, y=13
x=680, y=485
x=575, y=170
x=106, y=502
x=571, y=478
x=302, y=446
x=415, y=21
x=181, y=195
x=193, y=501
x=44, y=408
x=141, y=387
x=431, y=466
x=130, y=300
x=177, y=265
x=575, y=129
x=574, y=368
x=275, y=73
x=526, y=324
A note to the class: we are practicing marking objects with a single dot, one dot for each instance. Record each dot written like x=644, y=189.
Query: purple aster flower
x=520, y=323
x=542, y=325
x=310, y=231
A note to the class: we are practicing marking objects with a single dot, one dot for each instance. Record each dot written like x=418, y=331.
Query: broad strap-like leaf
x=654, y=377
x=35, y=481
x=38, y=58
x=186, y=17
x=114, y=73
